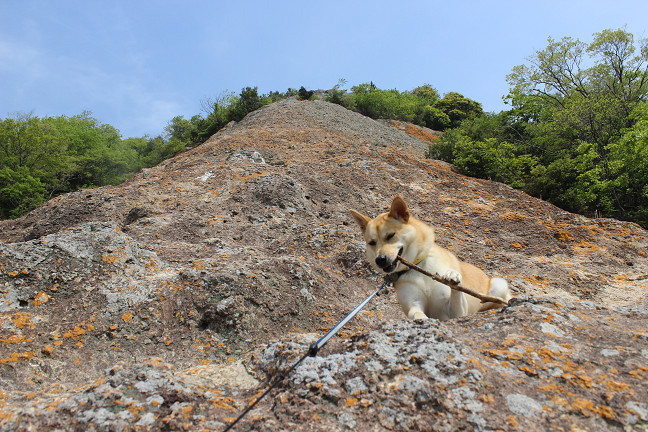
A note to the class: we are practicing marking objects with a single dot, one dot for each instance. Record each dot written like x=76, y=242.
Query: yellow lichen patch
x=517, y=245
x=511, y=340
x=224, y=403
x=514, y=216
x=198, y=265
x=505, y=354
x=22, y=320
x=41, y=298
x=641, y=370
x=540, y=281
x=252, y=176
x=74, y=333
x=563, y=235
x=185, y=411
x=551, y=388
x=351, y=402
x=16, y=339
x=579, y=380
x=126, y=317
x=586, y=247
x=477, y=364
x=616, y=386
x=586, y=407
x=423, y=135
x=14, y=357
x=528, y=371
x=606, y=412
x=512, y=421
x=487, y=399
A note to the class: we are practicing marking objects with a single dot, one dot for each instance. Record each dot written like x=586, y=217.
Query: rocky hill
x=168, y=302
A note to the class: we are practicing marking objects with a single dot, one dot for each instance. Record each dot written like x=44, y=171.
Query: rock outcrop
x=168, y=302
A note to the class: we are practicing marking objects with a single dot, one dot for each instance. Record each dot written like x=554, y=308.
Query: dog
x=396, y=233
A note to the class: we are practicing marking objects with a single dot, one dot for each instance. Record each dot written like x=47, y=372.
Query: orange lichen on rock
x=14, y=357
x=418, y=132
x=586, y=247
x=41, y=298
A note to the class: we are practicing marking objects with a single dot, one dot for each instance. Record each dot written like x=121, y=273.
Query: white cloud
x=124, y=95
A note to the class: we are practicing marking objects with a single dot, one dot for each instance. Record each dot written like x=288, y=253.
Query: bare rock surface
x=168, y=302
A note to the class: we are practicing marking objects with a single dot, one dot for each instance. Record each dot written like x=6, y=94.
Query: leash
x=313, y=349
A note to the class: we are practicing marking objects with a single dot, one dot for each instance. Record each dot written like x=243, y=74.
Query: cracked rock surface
x=170, y=301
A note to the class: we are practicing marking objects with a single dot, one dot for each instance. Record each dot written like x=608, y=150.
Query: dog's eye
x=372, y=243
x=389, y=236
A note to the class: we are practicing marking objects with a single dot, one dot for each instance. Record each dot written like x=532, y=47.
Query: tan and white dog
x=397, y=232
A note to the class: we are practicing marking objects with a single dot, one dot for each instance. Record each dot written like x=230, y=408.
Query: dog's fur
x=397, y=232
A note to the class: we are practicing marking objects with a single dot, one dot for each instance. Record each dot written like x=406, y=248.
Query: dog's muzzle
x=387, y=264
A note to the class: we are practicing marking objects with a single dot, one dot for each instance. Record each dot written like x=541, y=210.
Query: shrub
x=304, y=94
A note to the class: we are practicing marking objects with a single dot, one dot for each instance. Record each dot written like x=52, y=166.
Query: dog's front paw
x=452, y=275
x=419, y=317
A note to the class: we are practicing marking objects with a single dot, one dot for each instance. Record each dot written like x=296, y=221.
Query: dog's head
x=389, y=235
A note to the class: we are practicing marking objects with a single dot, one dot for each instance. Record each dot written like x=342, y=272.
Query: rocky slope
x=167, y=302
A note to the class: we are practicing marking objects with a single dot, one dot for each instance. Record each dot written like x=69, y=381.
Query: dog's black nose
x=382, y=261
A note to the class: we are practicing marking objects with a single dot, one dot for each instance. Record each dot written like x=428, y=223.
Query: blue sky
x=138, y=63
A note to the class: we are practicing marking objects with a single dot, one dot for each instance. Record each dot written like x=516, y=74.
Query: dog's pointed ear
x=399, y=209
x=361, y=219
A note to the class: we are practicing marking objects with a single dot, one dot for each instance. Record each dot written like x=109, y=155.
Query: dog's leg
x=412, y=302
x=458, y=306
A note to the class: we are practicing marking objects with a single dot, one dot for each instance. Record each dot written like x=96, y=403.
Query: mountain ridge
x=198, y=263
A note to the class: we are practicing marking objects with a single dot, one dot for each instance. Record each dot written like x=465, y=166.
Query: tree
x=338, y=96
x=20, y=191
x=629, y=166
x=573, y=135
x=245, y=103
x=426, y=92
x=458, y=108
x=303, y=94
x=593, y=102
x=41, y=158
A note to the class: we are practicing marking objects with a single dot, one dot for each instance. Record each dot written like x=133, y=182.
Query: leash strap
x=265, y=393
x=315, y=347
x=312, y=352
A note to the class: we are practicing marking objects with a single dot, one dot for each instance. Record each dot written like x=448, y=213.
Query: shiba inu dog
x=396, y=233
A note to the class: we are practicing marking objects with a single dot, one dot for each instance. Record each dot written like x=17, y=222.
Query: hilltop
x=164, y=302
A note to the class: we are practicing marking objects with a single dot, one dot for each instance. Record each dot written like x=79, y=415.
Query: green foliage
x=433, y=118
x=576, y=133
x=244, y=104
x=421, y=106
x=303, y=94
x=44, y=157
x=338, y=96
x=458, y=108
x=19, y=191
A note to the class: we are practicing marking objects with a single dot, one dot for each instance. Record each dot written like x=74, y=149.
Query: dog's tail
x=498, y=288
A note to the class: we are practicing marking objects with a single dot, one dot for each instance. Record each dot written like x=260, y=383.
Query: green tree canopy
x=577, y=114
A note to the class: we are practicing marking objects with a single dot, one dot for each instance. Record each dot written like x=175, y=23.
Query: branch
x=452, y=284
